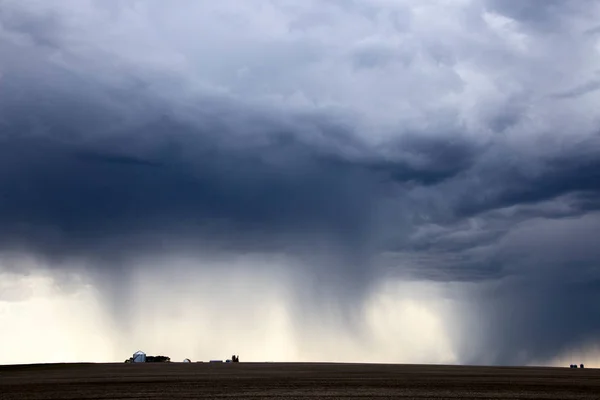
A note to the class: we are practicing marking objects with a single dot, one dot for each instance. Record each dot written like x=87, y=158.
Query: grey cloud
x=42, y=28
x=373, y=57
x=593, y=31
x=504, y=177
x=547, y=15
x=427, y=161
x=581, y=90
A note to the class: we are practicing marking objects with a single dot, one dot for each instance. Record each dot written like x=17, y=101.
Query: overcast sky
x=410, y=181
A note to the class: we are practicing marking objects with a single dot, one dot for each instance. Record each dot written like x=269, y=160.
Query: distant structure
x=235, y=358
x=141, y=357
x=158, y=359
x=581, y=366
x=187, y=360
x=138, y=357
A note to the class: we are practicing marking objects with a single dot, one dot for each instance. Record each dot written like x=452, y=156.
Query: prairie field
x=293, y=381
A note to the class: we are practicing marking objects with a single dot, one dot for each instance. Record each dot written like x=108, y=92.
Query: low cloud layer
x=364, y=142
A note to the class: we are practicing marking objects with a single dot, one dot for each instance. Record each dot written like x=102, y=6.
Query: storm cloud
x=431, y=141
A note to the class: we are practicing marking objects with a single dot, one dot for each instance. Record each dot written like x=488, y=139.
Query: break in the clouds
x=436, y=141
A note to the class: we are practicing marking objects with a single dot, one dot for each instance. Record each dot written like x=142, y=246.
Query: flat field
x=293, y=381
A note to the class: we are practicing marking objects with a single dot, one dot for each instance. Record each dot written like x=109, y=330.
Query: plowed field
x=293, y=381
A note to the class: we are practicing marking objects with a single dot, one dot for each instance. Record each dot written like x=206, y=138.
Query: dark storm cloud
x=334, y=135
x=104, y=193
x=77, y=183
x=427, y=161
x=509, y=182
x=485, y=202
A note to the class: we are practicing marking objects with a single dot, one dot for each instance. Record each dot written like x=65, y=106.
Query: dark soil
x=293, y=381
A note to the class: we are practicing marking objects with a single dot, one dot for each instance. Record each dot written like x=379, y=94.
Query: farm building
x=141, y=357
x=138, y=356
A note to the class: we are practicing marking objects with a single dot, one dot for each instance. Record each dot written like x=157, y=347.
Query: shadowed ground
x=293, y=381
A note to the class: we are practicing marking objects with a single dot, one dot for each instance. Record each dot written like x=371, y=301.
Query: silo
x=139, y=357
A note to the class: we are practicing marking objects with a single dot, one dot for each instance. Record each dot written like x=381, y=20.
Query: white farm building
x=138, y=356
